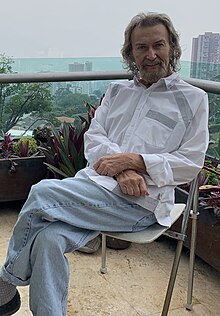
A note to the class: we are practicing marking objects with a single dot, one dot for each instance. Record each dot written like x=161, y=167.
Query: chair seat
x=151, y=233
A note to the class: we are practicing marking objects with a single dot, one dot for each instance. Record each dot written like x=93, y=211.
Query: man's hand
x=114, y=164
x=132, y=183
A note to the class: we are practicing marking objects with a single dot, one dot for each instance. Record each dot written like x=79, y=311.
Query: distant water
x=35, y=65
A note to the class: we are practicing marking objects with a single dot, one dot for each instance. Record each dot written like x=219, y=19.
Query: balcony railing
x=206, y=85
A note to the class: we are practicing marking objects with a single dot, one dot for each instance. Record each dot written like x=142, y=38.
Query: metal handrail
x=206, y=85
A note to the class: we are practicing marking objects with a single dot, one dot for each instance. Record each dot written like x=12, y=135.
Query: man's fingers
x=101, y=167
x=136, y=190
x=132, y=184
x=110, y=165
x=143, y=190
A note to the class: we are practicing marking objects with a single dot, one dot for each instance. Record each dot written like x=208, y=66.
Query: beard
x=152, y=77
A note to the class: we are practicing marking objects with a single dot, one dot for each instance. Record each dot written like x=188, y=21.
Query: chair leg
x=103, y=268
x=194, y=216
x=172, y=278
x=192, y=261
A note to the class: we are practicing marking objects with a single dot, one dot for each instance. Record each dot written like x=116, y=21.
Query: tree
x=65, y=98
x=21, y=98
x=214, y=125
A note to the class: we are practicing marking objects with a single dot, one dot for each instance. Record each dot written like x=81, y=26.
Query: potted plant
x=208, y=228
x=64, y=149
x=21, y=166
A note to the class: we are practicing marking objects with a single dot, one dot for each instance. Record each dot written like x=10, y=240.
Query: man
x=149, y=135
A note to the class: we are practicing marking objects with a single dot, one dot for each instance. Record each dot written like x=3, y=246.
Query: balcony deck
x=135, y=284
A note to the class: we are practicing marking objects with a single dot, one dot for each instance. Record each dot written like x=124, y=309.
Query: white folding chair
x=188, y=210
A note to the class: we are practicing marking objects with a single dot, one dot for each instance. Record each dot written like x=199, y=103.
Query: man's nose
x=151, y=55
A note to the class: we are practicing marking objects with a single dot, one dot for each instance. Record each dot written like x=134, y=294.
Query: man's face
x=151, y=52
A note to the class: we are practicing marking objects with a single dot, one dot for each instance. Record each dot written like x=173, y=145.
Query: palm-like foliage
x=209, y=185
x=64, y=151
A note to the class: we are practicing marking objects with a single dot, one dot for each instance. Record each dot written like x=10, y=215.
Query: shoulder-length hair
x=151, y=19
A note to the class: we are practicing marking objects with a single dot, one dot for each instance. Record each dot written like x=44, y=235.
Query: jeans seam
x=63, y=301
x=141, y=219
x=24, y=241
x=78, y=244
x=72, y=204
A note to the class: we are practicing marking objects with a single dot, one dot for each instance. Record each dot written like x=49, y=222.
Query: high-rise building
x=84, y=86
x=76, y=67
x=88, y=66
x=205, y=58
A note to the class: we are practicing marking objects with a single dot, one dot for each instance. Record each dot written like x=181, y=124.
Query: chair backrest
x=191, y=203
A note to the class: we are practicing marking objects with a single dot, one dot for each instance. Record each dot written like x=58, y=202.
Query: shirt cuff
x=158, y=169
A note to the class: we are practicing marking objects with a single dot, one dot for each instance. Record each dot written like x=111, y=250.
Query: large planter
x=208, y=233
x=17, y=175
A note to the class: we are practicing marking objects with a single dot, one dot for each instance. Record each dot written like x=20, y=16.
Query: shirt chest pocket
x=155, y=128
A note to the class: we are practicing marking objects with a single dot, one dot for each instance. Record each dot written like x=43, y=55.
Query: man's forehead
x=155, y=32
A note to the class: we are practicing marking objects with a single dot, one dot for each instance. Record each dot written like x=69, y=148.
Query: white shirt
x=167, y=124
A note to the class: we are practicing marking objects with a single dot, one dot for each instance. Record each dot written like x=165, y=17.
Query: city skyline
x=70, y=28
x=205, y=61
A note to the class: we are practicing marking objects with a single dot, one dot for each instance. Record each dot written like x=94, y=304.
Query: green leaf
x=48, y=154
x=64, y=168
x=74, y=155
x=56, y=170
x=66, y=161
x=66, y=133
x=58, y=138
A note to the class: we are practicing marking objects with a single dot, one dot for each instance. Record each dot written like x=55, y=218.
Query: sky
x=93, y=28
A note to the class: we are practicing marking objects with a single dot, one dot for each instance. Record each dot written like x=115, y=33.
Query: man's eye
x=159, y=45
x=141, y=47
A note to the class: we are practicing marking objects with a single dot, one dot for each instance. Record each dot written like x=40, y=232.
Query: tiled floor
x=135, y=284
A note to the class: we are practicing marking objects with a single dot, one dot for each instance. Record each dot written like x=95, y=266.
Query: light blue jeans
x=58, y=217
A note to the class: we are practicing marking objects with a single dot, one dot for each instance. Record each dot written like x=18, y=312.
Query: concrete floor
x=135, y=284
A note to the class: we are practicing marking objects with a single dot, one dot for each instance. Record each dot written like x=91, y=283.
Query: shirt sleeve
x=183, y=164
x=96, y=141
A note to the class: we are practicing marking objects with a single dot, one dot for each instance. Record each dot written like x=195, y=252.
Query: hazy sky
x=89, y=28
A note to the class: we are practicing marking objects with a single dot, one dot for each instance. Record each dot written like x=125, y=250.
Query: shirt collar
x=167, y=81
